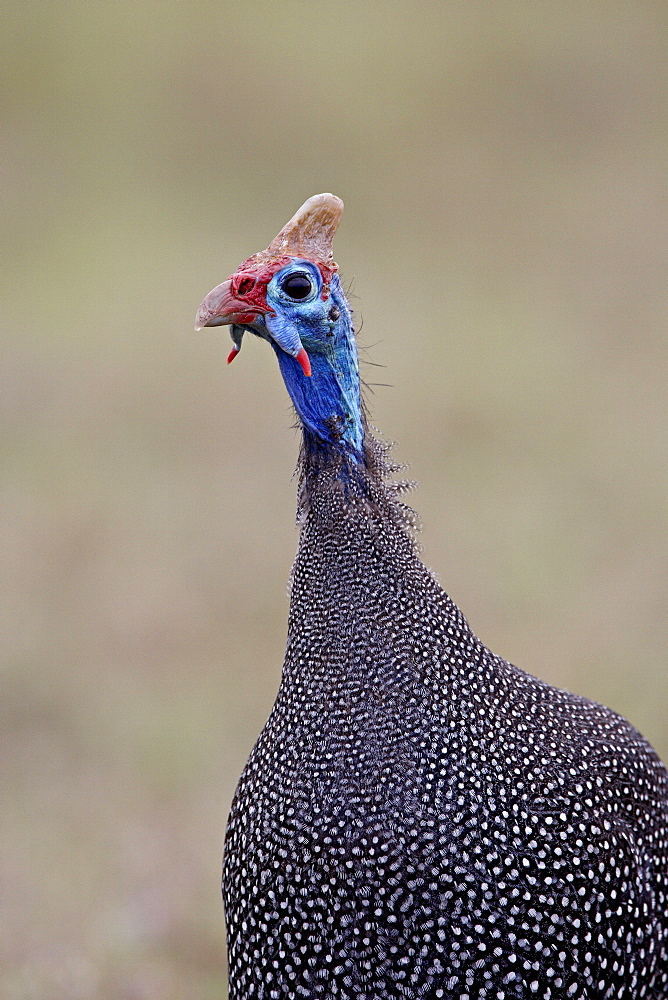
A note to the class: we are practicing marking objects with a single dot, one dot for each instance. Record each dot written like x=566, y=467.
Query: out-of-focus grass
x=503, y=170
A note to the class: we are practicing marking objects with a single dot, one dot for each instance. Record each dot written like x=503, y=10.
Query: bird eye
x=297, y=286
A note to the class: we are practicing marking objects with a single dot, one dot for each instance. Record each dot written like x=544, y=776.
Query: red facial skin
x=249, y=282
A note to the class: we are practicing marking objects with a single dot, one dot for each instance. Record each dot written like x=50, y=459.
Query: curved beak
x=222, y=308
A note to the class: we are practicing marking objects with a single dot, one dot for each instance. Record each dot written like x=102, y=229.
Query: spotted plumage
x=419, y=818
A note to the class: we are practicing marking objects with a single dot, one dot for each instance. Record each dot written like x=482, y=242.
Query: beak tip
x=202, y=317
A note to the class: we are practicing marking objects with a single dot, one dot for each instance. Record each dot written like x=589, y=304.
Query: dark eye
x=297, y=286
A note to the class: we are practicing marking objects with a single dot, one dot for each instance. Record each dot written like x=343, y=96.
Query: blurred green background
x=503, y=167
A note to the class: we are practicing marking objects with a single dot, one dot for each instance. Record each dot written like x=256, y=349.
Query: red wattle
x=304, y=361
x=232, y=355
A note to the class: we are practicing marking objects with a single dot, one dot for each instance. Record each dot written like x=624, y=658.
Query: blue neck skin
x=328, y=403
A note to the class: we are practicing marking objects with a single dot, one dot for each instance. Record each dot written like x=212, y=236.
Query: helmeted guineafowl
x=419, y=818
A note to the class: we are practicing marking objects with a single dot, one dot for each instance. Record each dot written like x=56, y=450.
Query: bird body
x=419, y=818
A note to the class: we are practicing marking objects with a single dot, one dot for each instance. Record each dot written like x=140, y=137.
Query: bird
x=419, y=818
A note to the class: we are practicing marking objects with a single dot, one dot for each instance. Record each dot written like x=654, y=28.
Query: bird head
x=291, y=296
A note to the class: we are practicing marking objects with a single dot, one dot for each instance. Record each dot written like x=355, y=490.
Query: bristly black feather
x=322, y=467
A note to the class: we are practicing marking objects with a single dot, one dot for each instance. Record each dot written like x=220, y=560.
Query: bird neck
x=329, y=403
x=359, y=587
